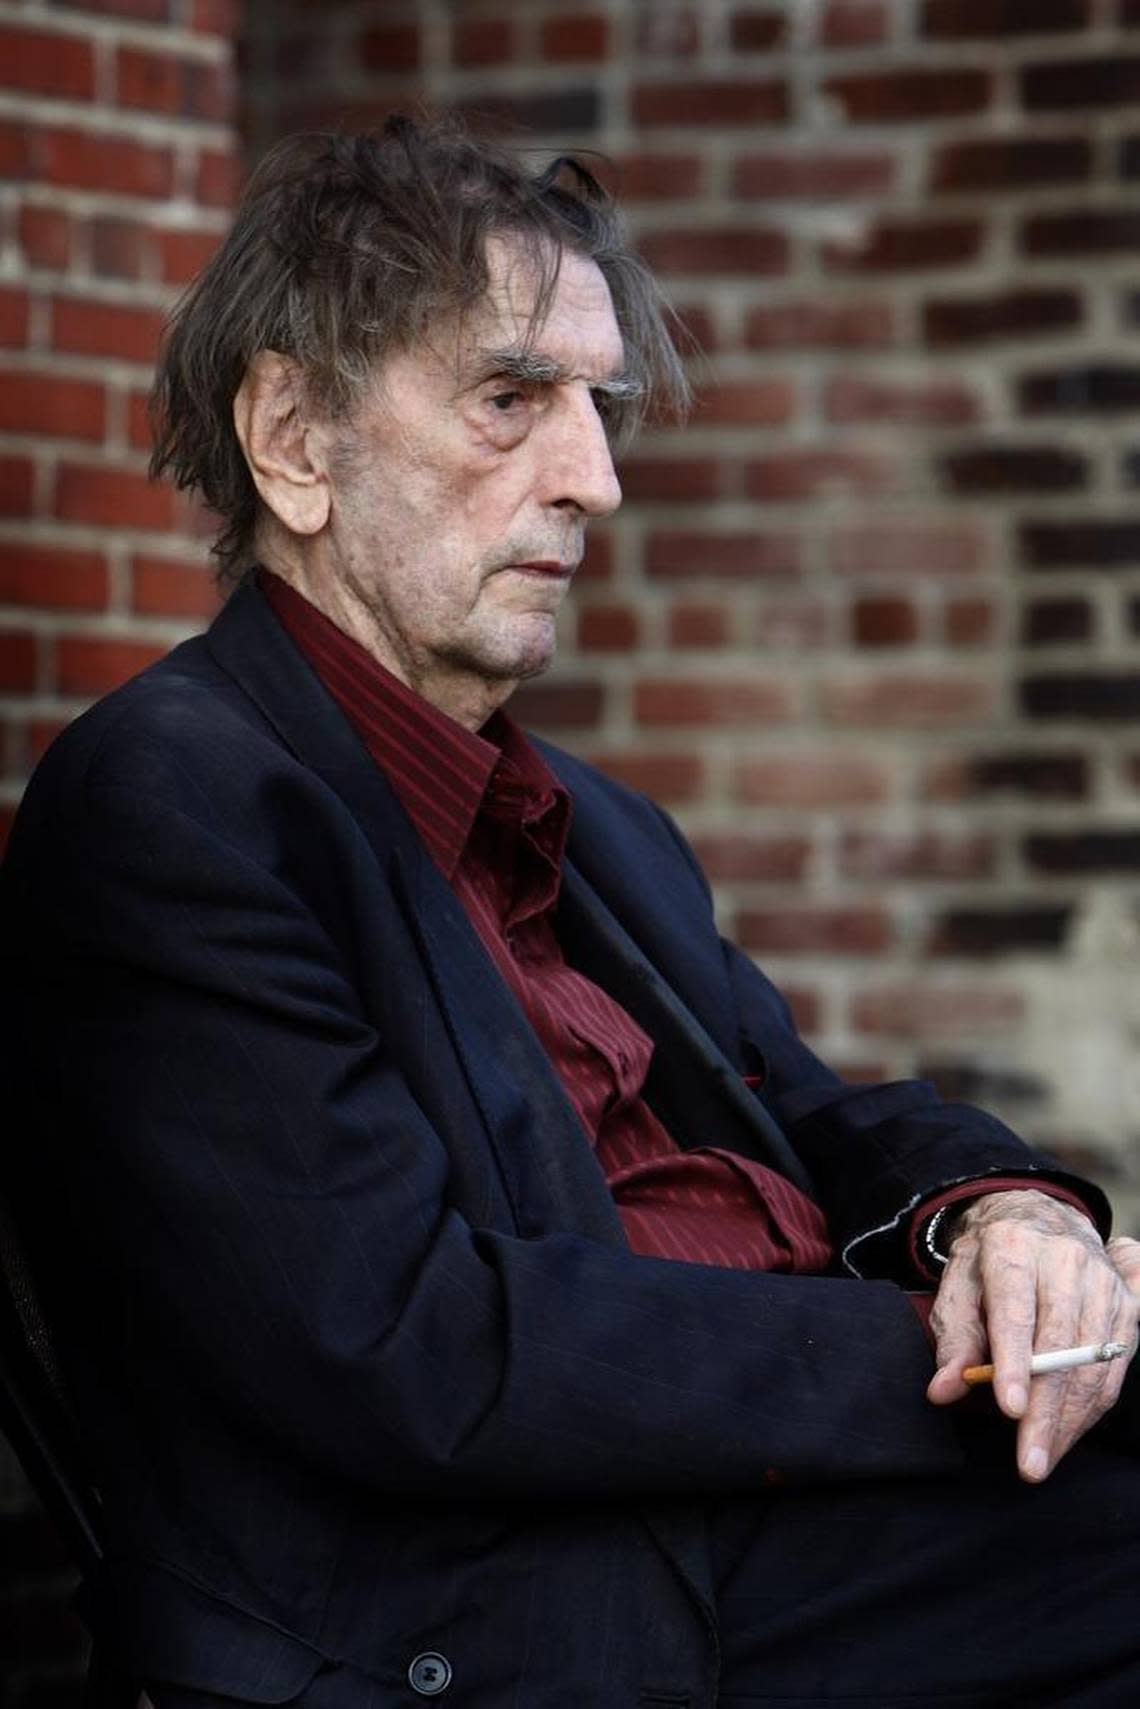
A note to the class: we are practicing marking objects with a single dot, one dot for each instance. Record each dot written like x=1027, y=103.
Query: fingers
x=958, y=1325
x=1124, y=1256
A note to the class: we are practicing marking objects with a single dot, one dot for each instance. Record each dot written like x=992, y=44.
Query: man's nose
x=581, y=471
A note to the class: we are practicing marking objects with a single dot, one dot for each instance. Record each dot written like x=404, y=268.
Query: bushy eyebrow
x=530, y=368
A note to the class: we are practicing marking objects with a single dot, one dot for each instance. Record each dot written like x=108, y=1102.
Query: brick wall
x=117, y=166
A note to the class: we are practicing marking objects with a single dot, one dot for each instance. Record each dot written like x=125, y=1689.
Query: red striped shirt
x=495, y=820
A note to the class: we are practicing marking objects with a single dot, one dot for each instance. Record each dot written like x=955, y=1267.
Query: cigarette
x=1063, y=1359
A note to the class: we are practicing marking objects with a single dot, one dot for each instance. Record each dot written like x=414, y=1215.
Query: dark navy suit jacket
x=366, y=1364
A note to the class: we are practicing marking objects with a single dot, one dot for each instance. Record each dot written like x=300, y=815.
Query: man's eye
x=504, y=402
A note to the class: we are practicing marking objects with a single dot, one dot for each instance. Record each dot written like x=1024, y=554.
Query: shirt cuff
x=923, y=1256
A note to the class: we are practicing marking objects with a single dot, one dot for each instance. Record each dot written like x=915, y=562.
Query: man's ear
x=285, y=451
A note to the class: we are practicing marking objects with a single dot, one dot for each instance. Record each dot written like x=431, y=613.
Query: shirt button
x=430, y=1674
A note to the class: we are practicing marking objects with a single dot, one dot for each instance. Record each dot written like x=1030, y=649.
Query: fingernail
x=1035, y=1464
x=1016, y=1399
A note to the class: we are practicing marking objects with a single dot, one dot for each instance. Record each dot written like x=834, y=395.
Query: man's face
x=459, y=511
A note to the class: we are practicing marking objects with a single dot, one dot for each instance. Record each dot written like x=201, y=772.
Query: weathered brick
x=753, y=403
x=911, y=94
x=791, y=625
x=820, y=173
x=173, y=83
x=884, y=622
x=1107, y=849
x=87, y=161
x=920, y=403
x=930, y=1011
x=744, y=101
x=1055, y=776
x=562, y=705
x=14, y=305
x=55, y=404
x=813, y=472
x=908, y=548
x=390, y=47
x=218, y=176
x=673, y=778
x=216, y=18
x=673, y=480
x=482, y=41
x=810, y=778
x=121, y=248
x=1092, y=386
x=906, y=246
x=737, y=857
x=18, y=664
x=1128, y=156
x=45, y=236
x=551, y=111
x=1046, y=622
x=1109, y=543
x=56, y=577
x=674, y=701
x=112, y=497
x=1000, y=931
x=971, y=622
x=1082, y=231
x=656, y=177
x=929, y=701
x=738, y=557
x=583, y=35
x=1109, y=80
x=95, y=664
x=608, y=628
x=718, y=249
x=1010, y=163
x=16, y=476
x=169, y=587
x=673, y=33
x=1108, y=695
x=88, y=327
x=950, y=20
x=42, y=62
x=994, y=468
x=753, y=31
x=820, y=325
x=690, y=625
x=854, y=23
x=598, y=563
x=877, y=856
x=1009, y=314
x=814, y=930
x=183, y=254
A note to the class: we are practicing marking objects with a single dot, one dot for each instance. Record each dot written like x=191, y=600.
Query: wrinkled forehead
x=555, y=304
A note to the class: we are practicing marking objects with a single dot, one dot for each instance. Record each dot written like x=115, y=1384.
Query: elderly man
x=471, y=1285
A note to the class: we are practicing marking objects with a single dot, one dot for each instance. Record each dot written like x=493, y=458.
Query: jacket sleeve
x=253, y=1184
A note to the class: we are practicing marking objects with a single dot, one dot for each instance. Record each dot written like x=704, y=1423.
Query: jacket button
x=430, y=1674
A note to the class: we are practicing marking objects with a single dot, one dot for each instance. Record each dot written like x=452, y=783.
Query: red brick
x=756, y=32
x=972, y=622
x=54, y=404
x=113, y=164
x=907, y=702
x=910, y=94
x=850, y=930
x=737, y=557
x=810, y=779
x=878, y=856
x=1011, y=163
x=692, y=329
x=921, y=403
x=1082, y=231
x=718, y=249
x=884, y=622
x=42, y=732
x=14, y=150
x=138, y=421
x=165, y=587
x=565, y=704
x=908, y=548
x=482, y=41
x=55, y=577
x=182, y=254
x=1049, y=776
x=607, y=628
x=43, y=63
x=1013, y=314
x=667, y=700
x=121, y=248
x=749, y=101
x=218, y=179
x=390, y=48
x=1111, y=80
x=905, y=246
x=698, y=626
x=737, y=857
x=575, y=36
x=13, y=319
x=657, y=177
x=822, y=173
x=806, y=1006
x=598, y=563
x=936, y=1011
x=674, y=480
x=95, y=664
x=951, y=20
x=812, y=472
x=790, y=625
x=18, y=669
x=45, y=236
x=112, y=497
x=175, y=84
x=754, y=403
x=91, y=328
x=854, y=23
x=822, y=325
x=673, y=778
x=216, y=18
x=16, y=481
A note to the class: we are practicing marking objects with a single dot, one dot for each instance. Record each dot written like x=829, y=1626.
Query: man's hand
x=1027, y=1273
